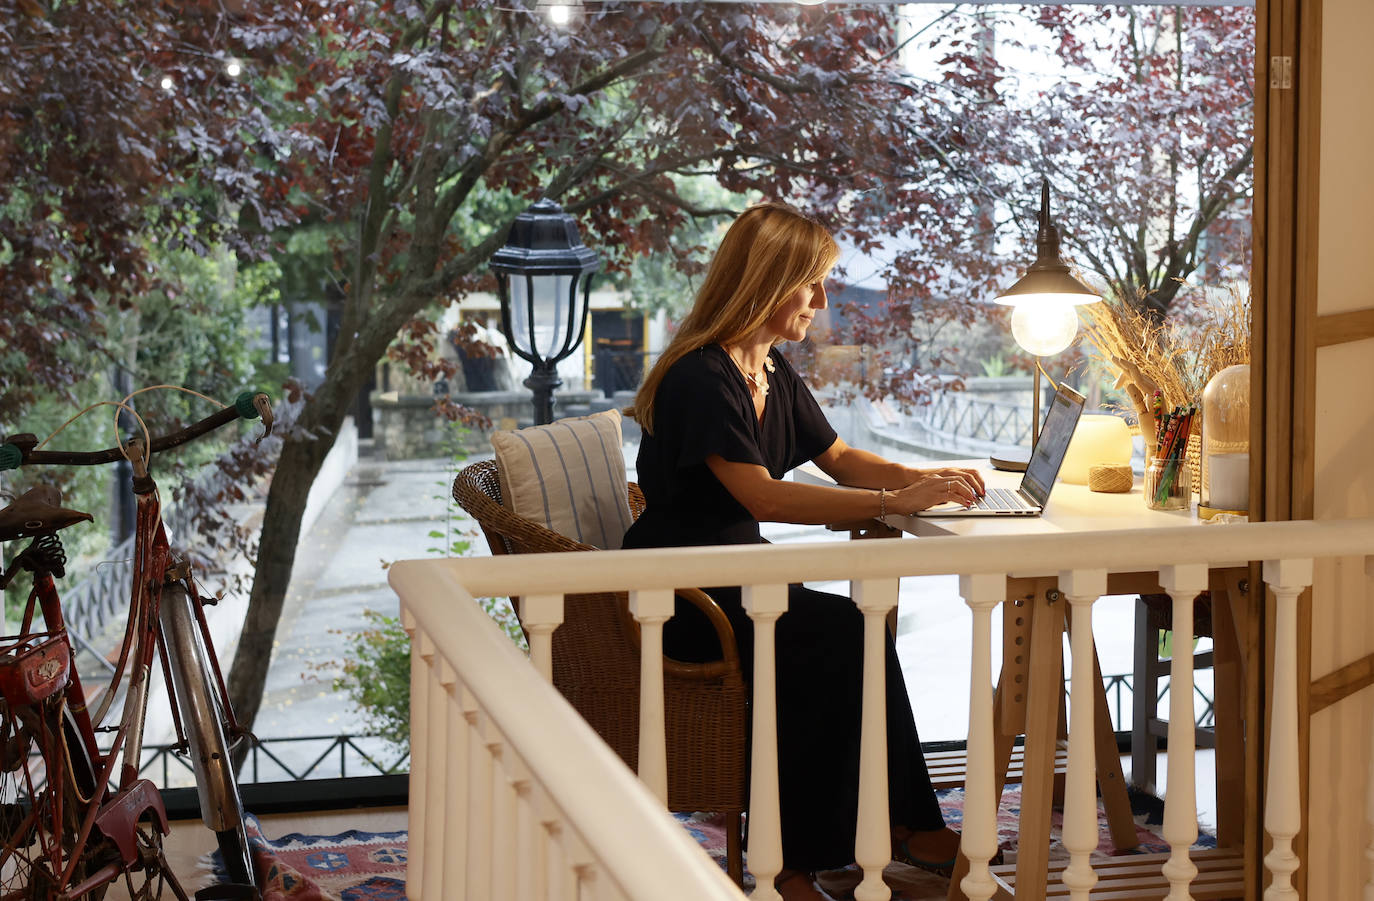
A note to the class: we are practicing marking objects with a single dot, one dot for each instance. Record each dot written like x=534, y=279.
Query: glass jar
x=1168, y=485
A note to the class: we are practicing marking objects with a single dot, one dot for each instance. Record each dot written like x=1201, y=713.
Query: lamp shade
x=1048, y=278
x=543, y=280
x=539, y=273
x=1226, y=442
x=1099, y=438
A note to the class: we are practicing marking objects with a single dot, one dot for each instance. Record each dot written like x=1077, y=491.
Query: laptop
x=1030, y=498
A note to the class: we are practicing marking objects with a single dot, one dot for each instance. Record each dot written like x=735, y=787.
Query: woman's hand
x=937, y=486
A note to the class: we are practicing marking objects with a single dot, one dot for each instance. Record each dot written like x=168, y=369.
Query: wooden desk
x=1030, y=689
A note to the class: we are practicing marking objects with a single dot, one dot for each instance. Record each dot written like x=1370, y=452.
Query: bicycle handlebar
x=18, y=450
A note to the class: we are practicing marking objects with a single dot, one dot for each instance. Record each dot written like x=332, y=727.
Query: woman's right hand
x=934, y=488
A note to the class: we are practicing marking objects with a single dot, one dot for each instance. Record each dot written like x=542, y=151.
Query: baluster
x=541, y=614
x=651, y=610
x=560, y=886
x=502, y=819
x=437, y=695
x=873, y=843
x=1183, y=584
x=592, y=884
x=764, y=604
x=982, y=593
x=580, y=870
x=421, y=649
x=1082, y=588
x=529, y=864
x=456, y=778
x=1282, y=804
x=478, y=880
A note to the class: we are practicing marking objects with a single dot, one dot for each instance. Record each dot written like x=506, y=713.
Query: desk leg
x=1229, y=614
x=1110, y=780
x=1041, y=730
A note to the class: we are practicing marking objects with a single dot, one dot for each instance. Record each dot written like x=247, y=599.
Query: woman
x=724, y=418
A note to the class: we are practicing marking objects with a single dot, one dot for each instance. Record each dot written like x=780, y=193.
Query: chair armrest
x=725, y=633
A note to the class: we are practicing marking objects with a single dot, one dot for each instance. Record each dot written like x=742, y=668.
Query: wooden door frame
x=1283, y=353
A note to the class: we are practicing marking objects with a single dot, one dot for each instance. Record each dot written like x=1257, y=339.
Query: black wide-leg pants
x=819, y=649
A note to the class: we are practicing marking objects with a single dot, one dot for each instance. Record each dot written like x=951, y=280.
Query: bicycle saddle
x=38, y=511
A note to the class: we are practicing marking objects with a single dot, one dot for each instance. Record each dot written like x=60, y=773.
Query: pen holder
x=1168, y=485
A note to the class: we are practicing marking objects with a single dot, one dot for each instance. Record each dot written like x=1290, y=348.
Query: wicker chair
x=596, y=667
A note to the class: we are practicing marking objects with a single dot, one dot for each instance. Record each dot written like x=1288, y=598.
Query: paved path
x=383, y=511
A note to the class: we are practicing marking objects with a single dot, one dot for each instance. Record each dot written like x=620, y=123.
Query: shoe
x=902, y=854
x=798, y=875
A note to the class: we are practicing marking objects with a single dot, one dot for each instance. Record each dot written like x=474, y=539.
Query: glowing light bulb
x=1044, y=327
x=559, y=14
x=167, y=83
x=233, y=69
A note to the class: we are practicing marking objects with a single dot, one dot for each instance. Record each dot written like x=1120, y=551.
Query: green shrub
x=376, y=677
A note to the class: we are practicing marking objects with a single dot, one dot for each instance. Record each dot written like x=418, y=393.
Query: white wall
x=1343, y=616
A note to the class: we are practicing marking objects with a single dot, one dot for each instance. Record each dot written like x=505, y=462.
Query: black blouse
x=703, y=407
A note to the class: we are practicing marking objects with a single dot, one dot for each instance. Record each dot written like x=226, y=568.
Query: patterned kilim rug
x=911, y=884
x=350, y=866
x=370, y=866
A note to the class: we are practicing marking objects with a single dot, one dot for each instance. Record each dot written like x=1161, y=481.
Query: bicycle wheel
x=26, y=827
x=202, y=716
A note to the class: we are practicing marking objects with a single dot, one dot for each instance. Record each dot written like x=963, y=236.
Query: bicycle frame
x=116, y=814
x=179, y=637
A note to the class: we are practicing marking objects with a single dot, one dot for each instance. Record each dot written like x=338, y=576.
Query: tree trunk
x=299, y=464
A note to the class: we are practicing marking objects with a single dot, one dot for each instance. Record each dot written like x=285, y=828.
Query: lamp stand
x=1017, y=460
x=543, y=379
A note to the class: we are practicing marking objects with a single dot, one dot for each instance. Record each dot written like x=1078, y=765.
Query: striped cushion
x=568, y=475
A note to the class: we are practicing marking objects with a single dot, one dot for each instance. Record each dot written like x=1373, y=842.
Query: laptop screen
x=1053, y=443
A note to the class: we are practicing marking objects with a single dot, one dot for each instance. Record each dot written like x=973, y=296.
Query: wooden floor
x=190, y=840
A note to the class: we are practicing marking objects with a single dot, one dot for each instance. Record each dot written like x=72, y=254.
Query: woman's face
x=793, y=316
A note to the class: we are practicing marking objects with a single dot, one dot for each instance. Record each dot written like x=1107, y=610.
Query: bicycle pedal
x=228, y=891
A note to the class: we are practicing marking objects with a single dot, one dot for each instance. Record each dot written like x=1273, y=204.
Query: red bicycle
x=70, y=823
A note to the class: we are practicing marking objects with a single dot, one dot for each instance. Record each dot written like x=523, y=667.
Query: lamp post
x=1043, y=320
x=543, y=277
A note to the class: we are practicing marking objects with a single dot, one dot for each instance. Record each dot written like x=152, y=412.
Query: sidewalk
x=382, y=512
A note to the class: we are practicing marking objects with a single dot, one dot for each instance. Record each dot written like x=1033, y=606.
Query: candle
x=1228, y=481
x=1100, y=438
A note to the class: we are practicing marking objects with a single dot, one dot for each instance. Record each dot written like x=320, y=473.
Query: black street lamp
x=543, y=314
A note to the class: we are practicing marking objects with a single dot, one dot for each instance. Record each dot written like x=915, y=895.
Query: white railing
x=509, y=784
x=512, y=795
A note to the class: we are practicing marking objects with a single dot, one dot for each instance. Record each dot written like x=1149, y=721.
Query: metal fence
x=341, y=756
x=287, y=760
x=966, y=415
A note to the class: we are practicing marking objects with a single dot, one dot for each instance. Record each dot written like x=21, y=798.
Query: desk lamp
x=1043, y=318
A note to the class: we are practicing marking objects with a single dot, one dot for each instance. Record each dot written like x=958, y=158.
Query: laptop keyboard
x=1002, y=499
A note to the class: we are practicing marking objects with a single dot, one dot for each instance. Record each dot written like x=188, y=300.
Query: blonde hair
x=769, y=251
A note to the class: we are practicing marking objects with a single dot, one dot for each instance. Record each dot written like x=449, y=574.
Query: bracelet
x=882, y=502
